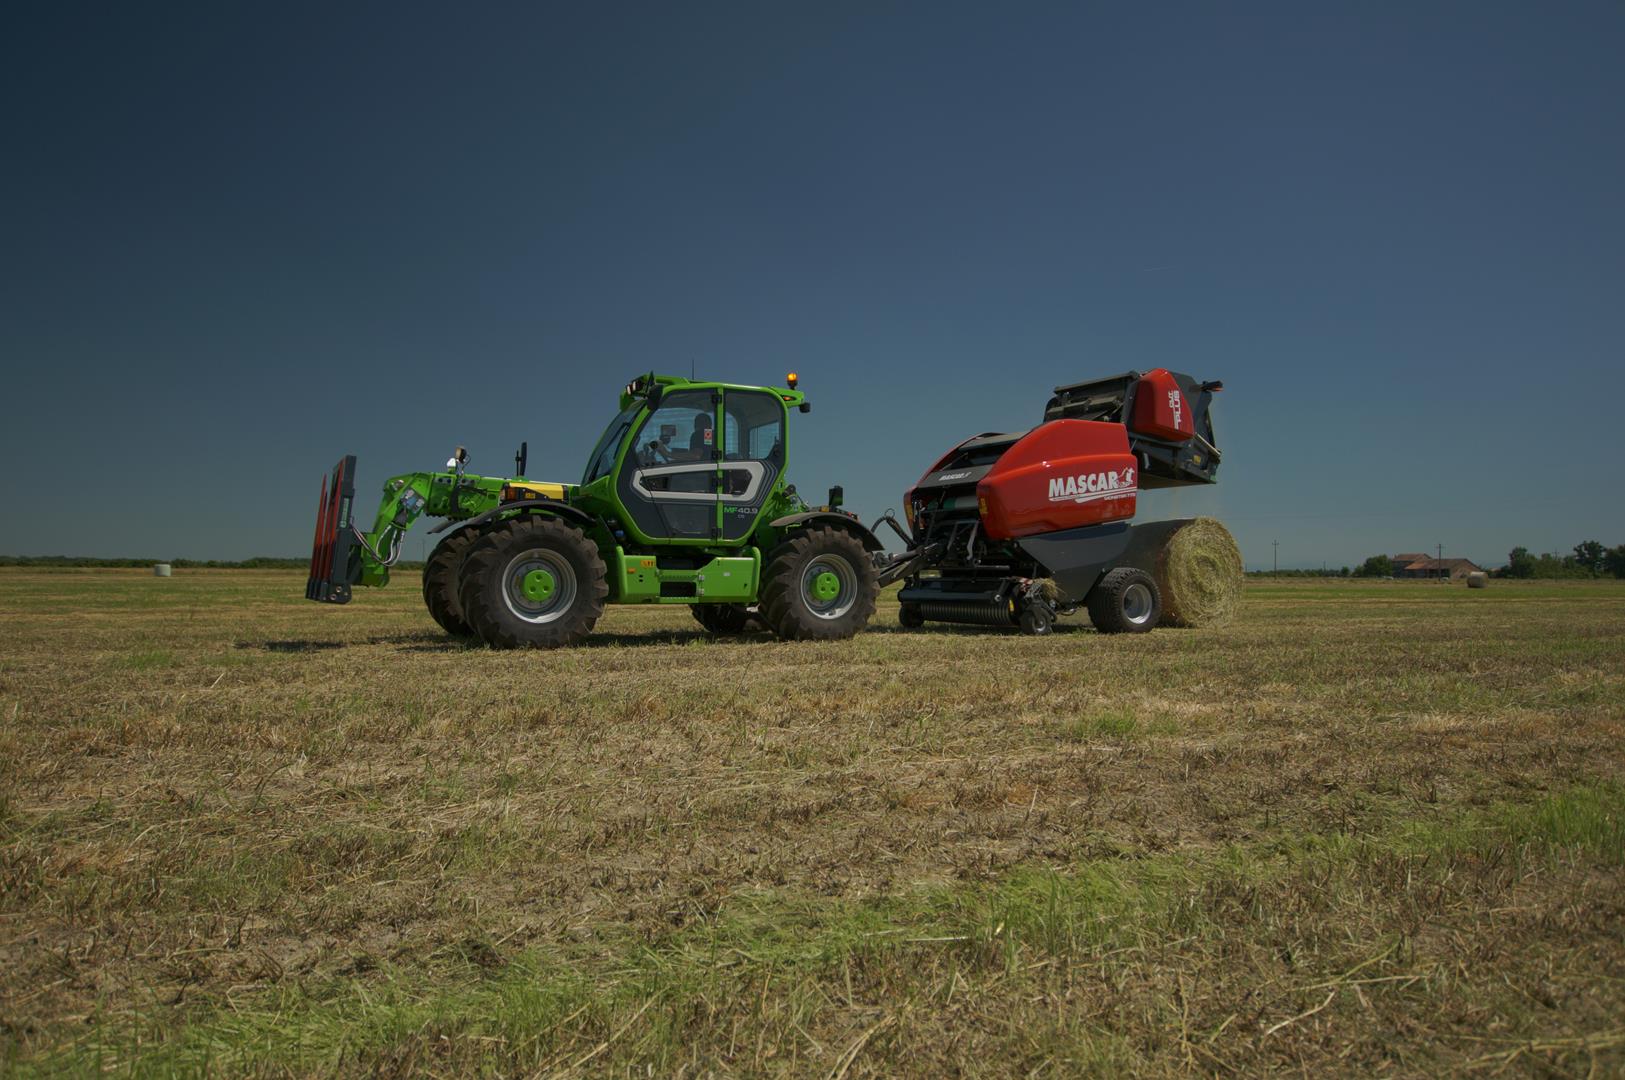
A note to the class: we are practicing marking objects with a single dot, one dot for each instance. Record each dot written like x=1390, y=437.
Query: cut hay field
x=1367, y=829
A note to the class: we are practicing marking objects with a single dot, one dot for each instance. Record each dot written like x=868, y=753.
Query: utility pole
x=1441, y=551
x=1277, y=545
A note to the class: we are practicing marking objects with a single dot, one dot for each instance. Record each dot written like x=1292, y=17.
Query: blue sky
x=239, y=241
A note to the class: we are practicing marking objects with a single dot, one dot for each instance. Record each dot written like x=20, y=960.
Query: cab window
x=603, y=455
x=753, y=427
x=681, y=430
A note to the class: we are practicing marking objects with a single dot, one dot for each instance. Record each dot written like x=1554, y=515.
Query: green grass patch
x=552, y=1006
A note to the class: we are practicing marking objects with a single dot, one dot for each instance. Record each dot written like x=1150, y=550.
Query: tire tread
x=480, y=594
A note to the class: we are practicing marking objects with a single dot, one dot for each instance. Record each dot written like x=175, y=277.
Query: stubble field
x=1368, y=829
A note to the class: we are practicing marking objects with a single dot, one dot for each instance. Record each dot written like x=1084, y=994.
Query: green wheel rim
x=826, y=586
x=829, y=586
x=538, y=586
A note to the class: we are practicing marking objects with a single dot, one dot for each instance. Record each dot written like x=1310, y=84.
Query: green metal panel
x=732, y=579
x=637, y=580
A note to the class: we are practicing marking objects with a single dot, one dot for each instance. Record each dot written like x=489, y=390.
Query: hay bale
x=1477, y=579
x=1199, y=573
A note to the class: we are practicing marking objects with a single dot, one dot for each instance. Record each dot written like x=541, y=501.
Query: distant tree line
x=258, y=562
x=1590, y=560
x=1376, y=566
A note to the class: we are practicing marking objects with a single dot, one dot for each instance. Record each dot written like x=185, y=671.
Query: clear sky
x=238, y=241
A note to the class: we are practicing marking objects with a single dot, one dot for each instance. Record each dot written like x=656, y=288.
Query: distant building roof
x=1406, y=560
x=1449, y=564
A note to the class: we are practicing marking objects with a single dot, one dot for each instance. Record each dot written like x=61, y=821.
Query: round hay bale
x=1477, y=579
x=1200, y=575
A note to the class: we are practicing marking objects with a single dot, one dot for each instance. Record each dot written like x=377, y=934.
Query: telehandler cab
x=684, y=500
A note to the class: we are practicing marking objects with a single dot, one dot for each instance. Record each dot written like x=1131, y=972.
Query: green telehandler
x=684, y=500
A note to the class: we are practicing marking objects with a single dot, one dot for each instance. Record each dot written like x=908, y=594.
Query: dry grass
x=1367, y=828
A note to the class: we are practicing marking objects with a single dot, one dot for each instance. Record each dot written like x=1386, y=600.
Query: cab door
x=753, y=429
x=668, y=481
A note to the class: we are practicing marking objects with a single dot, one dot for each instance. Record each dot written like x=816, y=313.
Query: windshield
x=603, y=455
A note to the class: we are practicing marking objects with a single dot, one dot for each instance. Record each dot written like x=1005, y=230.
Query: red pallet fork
x=331, y=571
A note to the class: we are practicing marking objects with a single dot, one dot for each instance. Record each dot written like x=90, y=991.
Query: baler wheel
x=1037, y=620
x=909, y=616
x=1126, y=601
x=532, y=581
x=722, y=619
x=819, y=585
x=440, y=575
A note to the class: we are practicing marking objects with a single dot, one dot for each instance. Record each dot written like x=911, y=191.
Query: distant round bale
x=160, y=569
x=1199, y=572
x=1477, y=579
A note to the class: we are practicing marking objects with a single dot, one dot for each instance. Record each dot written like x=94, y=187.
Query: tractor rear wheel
x=532, y=581
x=1126, y=601
x=440, y=575
x=722, y=619
x=819, y=585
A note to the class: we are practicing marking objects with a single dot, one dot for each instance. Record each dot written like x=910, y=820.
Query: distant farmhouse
x=1416, y=565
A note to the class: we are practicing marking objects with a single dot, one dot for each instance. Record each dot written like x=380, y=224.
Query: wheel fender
x=791, y=522
x=565, y=511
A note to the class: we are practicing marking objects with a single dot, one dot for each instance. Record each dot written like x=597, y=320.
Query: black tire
x=793, y=602
x=503, y=602
x=908, y=615
x=1127, y=601
x=1036, y=621
x=722, y=619
x=440, y=575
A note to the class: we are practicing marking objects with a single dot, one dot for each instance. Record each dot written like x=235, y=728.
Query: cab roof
x=640, y=386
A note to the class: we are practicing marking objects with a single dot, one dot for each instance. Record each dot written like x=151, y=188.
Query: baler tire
x=794, y=615
x=440, y=574
x=722, y=619
x=1036, y=622
x=516, y=549
x=1127, y=601
x=910, y=617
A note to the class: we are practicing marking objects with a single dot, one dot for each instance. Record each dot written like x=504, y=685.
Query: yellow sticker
x=546, y=491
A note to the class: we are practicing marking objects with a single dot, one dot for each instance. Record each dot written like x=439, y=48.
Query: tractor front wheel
x=722, y=619
x=440, y=574
x=819, y=585
x=532, y=582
